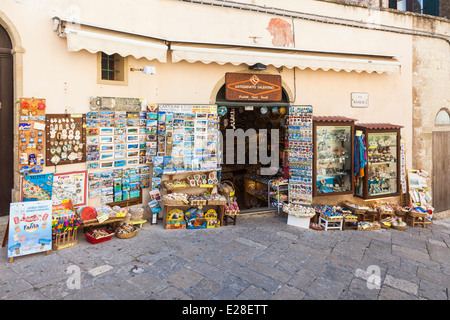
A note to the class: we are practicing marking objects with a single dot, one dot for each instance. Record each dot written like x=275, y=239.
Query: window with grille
x=111, y=69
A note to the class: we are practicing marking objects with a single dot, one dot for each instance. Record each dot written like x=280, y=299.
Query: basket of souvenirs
x=386, y=223
x=384, y=208
x=417, y=212
x=98, y=236
x=171, y=185
x=376, y=225
x=355, y=208
x=197, y=200
x=316, y=226
x=175, y=199
x=126, y=231
x=399, y=210
x=399, y=225
x=226, y=188
x=232, y=207
x=350, y=217
x=364, y=226
x=216, y=199
x=329, y=213
x=299, y=211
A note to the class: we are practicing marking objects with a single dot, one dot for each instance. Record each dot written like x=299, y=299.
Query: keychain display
x=31, y=135
x=300, y=144
x=65, y=139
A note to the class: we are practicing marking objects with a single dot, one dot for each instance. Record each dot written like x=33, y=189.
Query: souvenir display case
x=382, y=170
x=333, y=155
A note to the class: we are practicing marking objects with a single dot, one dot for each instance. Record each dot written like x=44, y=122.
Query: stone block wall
x=431, y=83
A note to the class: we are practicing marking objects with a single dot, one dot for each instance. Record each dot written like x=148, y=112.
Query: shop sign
x=252, y=87
x=360, y=100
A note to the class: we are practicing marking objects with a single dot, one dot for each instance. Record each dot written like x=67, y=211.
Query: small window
x=112, y=69
x=442, y=118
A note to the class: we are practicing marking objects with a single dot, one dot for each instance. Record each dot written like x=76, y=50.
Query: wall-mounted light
x=258, y=66
x=146, y=70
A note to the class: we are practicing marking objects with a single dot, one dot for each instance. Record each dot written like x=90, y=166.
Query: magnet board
x=31, y=135
x=65, y=139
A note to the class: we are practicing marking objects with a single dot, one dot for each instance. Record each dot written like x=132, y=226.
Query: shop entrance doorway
x=441, y=170
x=257, y=151
x=6, y=121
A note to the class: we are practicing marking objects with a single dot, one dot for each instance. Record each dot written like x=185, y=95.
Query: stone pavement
x=261, y=258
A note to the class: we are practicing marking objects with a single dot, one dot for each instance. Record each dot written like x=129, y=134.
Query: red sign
x=252, y=87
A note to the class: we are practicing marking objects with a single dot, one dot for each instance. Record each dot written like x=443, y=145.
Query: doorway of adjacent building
x=441, y=171
x=6, y=122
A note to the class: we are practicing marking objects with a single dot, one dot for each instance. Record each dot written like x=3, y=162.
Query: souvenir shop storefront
x=261, y=140
x=202, y=166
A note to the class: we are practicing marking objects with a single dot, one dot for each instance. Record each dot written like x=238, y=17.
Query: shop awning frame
x=286, y=57
x=95, y=38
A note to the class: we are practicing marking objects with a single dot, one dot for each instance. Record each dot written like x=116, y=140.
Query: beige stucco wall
x=68, y=79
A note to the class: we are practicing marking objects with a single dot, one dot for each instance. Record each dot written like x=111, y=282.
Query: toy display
x=212, y=219
x=31, y=135
x=175, y=219
x=65, y=139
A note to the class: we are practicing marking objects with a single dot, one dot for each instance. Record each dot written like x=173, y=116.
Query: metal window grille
x=109, y=66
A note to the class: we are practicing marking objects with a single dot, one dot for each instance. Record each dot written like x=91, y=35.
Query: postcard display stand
x=31, y=135
x=300, y=141
x=119, y=148
x=187, y=161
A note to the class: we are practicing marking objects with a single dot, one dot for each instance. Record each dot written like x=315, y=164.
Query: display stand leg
x=5, y=238
x=11, y=260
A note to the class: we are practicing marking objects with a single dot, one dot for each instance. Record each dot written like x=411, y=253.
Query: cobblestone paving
x=260, y=258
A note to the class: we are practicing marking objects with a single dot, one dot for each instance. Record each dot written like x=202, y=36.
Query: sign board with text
x=252, y=87
x=360, y=100
x=30, y=227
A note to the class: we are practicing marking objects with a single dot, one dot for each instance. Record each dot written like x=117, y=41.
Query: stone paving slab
x=260, y=258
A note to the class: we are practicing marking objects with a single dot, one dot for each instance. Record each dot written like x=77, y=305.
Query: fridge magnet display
x=31, y=135
x=65, y=139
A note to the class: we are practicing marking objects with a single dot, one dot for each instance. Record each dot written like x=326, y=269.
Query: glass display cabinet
x=333, y=155
x=381, y=173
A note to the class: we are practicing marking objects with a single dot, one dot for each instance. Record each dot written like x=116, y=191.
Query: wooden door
x=6, y=122
x=441, y=171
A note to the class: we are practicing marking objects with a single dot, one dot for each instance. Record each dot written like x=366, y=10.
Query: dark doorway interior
x=6, y=122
